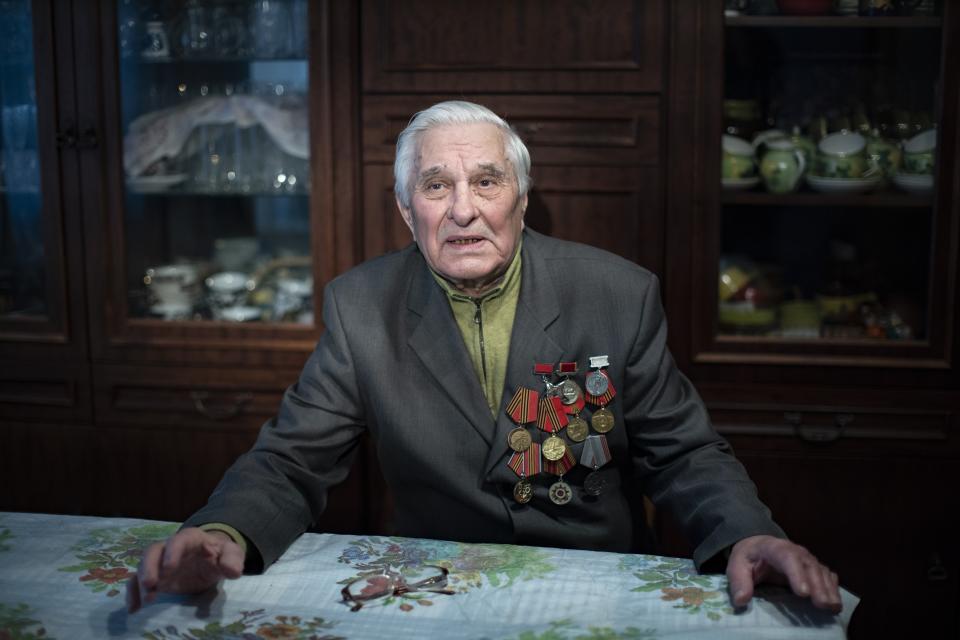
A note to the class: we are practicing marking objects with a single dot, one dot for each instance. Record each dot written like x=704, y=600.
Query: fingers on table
x=808, y=577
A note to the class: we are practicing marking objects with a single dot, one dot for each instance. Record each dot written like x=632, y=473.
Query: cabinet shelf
x=807, y=199
x=841, y=22
x=188, y=193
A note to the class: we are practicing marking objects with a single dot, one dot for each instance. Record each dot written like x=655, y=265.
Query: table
x=64, y=577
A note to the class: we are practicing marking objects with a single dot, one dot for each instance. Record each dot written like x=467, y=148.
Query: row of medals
x=554, y=448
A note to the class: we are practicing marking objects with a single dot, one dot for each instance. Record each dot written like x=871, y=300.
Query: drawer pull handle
x=200, y=399
x=937, y=572
x=816, y=434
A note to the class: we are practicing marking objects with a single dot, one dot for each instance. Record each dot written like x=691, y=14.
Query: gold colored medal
x=577, y=429
x=519, y=440
x=523, y=491
x=560, y=493
x=602, y=420
x=554, y=448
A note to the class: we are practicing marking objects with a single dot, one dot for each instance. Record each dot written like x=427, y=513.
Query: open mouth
x=465, y=241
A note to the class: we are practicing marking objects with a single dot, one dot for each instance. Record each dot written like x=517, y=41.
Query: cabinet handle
x=231, y=411
x=67, y=139
x=936, y=572
x=88, y=139
x=817, y=434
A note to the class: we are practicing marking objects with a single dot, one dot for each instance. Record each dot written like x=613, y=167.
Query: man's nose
x=463, y=209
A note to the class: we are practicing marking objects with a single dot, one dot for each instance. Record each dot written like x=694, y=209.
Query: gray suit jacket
x=392, y=362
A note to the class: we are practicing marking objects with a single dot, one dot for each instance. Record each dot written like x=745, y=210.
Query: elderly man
x=518, y=389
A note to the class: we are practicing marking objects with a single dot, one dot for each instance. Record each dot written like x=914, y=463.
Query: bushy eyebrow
x=487, y=168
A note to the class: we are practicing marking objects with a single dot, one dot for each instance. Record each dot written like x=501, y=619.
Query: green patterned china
x=841, y=155
x=919, y=151
x=782, y=166
x=737, y=159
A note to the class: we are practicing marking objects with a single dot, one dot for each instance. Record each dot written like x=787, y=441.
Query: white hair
x=446, y=113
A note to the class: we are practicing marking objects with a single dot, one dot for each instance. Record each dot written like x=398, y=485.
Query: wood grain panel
x=538, y=45
x=558, y=130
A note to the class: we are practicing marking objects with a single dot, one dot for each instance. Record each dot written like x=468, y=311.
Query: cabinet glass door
x=216, y=160
x=24, y=290
x=830, y=167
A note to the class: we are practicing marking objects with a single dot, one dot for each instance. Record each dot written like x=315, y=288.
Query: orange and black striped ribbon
x=527, y=463
x=523, y=406
x=552, y=417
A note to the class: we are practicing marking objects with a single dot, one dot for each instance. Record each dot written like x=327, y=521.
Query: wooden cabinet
x=850, y=426
x=180, y=149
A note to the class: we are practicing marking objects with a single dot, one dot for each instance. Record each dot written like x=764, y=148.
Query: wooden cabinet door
x=431, y=46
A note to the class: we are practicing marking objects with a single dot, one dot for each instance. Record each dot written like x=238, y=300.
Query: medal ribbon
x=552, y=417
x=576, y=407
x=596, y=451
x=523, y=406
x=527, y=463
x=567, y=368
x=542, y=369
x=561, y=466
x=606, y=397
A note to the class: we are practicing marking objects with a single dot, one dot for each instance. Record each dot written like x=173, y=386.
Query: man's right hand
x=191, y=561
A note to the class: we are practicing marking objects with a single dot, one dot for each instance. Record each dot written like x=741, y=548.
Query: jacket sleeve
x=684, y=465
x=273, y=493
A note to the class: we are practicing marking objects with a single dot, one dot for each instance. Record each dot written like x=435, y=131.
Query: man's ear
x=523, y=212
x=407, y=214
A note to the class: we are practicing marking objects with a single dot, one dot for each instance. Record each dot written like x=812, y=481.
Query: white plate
x=740, y=184
x=917, y=183
x=240, y=314
x=843, y=185
x=151, y=184
x=172, y=310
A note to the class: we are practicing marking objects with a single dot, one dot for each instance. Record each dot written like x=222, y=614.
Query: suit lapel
x=438, y=344
x=530, y=342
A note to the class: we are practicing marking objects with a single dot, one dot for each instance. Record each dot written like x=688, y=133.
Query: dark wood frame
x=332, y=95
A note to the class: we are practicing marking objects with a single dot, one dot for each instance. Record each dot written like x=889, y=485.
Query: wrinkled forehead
x=473, y=147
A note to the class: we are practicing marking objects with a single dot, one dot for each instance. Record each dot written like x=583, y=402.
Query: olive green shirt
x=486, y=324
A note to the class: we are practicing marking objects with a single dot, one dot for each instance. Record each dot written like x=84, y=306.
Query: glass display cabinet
x=29, y=282
x=829, y=239
x=216, y=160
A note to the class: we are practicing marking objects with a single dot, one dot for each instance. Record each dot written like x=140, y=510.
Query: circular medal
x=602, y=420
x=560, y=492
x=597, y=383
x=577, y=429
x=570, y=392
x=553, y=448
x=523, y=491
x=519, y=439
x=594, y=484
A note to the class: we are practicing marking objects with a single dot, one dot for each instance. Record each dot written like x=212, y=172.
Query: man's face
x=465, y=213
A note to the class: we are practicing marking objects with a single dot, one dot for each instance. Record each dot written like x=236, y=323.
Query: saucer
x=843, y=185
x=239, y=314
x=172, y=310
x=155, y=184
x=740, y=184
x=920, y=184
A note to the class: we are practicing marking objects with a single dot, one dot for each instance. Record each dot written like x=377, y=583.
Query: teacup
x=737, y=159
x=841, y=155
x=172, y=284
x=919, y=151
x=228, y=288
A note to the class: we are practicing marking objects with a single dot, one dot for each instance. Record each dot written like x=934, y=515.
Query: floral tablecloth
x=64, y=577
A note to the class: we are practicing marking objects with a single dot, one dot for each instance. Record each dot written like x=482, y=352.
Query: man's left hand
x=760, y=559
